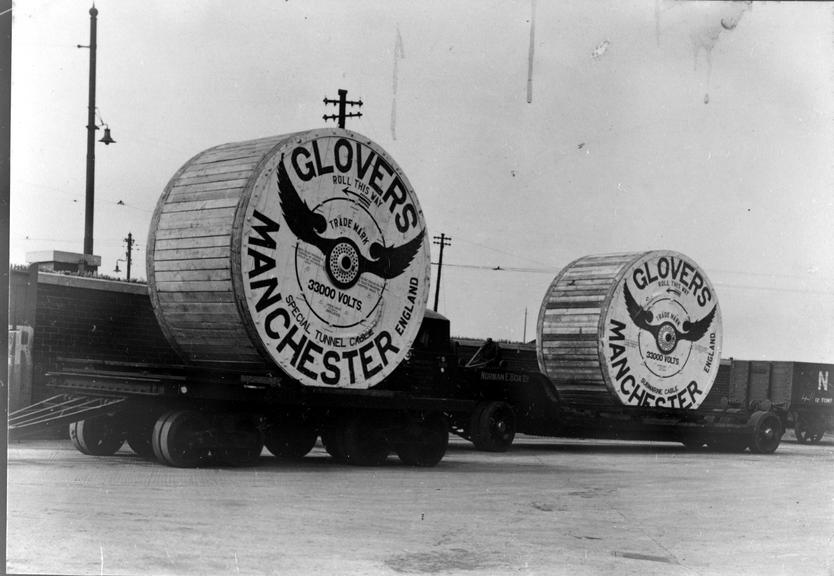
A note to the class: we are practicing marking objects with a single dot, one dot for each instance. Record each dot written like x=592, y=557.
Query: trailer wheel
x=423, y=442
x=364, y=442
x=808, y=432
x=333, y=438
x=97, y=437
x=767, y=432
x=239, y=441
x=181, y=438
x=492, y=426
x=290, y=439
x=334, y=444
x=140, y=434
x=140, y=441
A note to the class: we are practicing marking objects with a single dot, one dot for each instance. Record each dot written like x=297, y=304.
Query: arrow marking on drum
x=366, y=202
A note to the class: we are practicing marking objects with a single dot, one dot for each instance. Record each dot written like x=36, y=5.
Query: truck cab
x=429, y=366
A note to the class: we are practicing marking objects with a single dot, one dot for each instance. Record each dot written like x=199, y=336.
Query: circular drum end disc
x=334, y=261
x=660, y=342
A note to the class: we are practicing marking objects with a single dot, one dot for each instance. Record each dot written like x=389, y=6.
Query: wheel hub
x=667, y=338
x=343, y=264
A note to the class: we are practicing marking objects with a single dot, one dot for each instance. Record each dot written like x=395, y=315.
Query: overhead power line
x=555, y=270
x=503, y=268
x=492, y=248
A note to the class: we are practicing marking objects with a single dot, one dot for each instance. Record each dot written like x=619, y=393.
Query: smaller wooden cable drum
x=635, y=329
x=305, y=251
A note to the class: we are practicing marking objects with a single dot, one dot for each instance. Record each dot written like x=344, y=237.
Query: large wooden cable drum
x=634, y=329
x=306, y=251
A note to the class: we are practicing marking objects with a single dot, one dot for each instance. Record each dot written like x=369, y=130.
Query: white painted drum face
x=661, y=344
x=334, y=260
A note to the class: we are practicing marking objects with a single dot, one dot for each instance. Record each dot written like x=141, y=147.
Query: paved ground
x=549, y=506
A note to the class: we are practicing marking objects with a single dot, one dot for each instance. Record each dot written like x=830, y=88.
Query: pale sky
x=700, y=127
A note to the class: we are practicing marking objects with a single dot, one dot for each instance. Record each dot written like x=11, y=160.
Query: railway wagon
x=798, y=391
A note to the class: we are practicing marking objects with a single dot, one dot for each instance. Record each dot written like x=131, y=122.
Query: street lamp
x=91, y=133
x=107, y=139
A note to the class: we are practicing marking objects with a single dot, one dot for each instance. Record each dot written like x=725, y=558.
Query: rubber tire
x=290, y=439
x=97, y=437
x=239, y=441
x=493, y=426
x=364, y=442
x=142, y=446
x=333, y=438
x=424, y=442
x=766, y=434
x=178, y=438
x=140, y=434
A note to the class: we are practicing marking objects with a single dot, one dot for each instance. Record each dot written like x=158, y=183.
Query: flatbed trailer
x=533, y=406
x=187, y=415
x=187, y=419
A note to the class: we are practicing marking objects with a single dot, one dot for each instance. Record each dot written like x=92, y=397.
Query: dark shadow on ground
x=589, y=447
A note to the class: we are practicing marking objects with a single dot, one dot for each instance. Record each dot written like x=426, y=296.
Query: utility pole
x=524, y=337
x=129, y=253
x=91, y=139
x=342, y=102
x=89, y=200
x=442, y=240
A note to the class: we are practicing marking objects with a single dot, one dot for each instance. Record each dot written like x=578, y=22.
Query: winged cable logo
x=344, y=263
x=666, y=334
